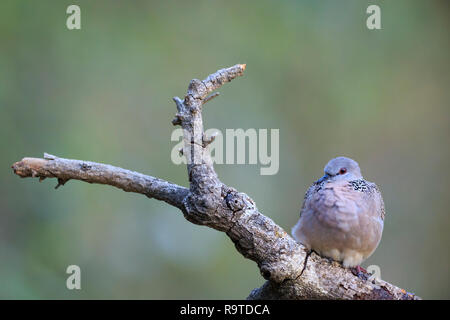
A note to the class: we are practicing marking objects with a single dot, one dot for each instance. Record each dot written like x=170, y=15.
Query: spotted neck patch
x=360, y=185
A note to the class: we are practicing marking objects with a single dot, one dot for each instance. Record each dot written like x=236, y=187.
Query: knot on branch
x=201, y=208
x=238, y=201
x=177, y=120
x=197, y=89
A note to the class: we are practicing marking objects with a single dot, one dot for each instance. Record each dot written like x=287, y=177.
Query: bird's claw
x=359, y=271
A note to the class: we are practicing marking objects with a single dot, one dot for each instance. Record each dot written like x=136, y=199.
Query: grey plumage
x=342, y=214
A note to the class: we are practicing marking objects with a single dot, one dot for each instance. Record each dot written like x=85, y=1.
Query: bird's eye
x=343, y=171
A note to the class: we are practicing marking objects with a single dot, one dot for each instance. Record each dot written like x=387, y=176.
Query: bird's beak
x=325, y=177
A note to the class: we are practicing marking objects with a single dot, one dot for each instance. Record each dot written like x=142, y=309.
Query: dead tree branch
x=129, y=181
x=211, y=203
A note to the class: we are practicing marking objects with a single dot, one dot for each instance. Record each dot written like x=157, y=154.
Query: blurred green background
x=314, y=71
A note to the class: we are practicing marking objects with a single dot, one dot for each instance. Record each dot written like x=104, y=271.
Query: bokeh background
x=314, y=71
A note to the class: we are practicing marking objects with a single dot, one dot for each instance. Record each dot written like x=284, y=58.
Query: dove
x=342, y=216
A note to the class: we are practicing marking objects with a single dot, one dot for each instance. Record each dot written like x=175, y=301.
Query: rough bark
x=211, y=203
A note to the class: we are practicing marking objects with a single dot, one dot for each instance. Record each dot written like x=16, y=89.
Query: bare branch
x=209, y=202
x=211, y=96
x=92, y=172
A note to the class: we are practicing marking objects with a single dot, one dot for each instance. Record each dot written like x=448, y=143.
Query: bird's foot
x=358, y=271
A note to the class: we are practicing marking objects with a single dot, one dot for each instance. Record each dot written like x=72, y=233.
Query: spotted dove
x=342, y=214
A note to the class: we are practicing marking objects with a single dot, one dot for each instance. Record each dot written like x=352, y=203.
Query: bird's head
x=341, y=168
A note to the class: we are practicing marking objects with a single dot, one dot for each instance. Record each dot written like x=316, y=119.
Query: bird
x=342, y=215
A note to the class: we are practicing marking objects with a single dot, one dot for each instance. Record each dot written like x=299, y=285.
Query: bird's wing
x=307, y=196
x=378, y=200
x=336, y=205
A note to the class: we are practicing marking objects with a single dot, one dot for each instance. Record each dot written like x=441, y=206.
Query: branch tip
x=178, y=102
x=210, y=97
x=48, y=156
x=61, y=182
